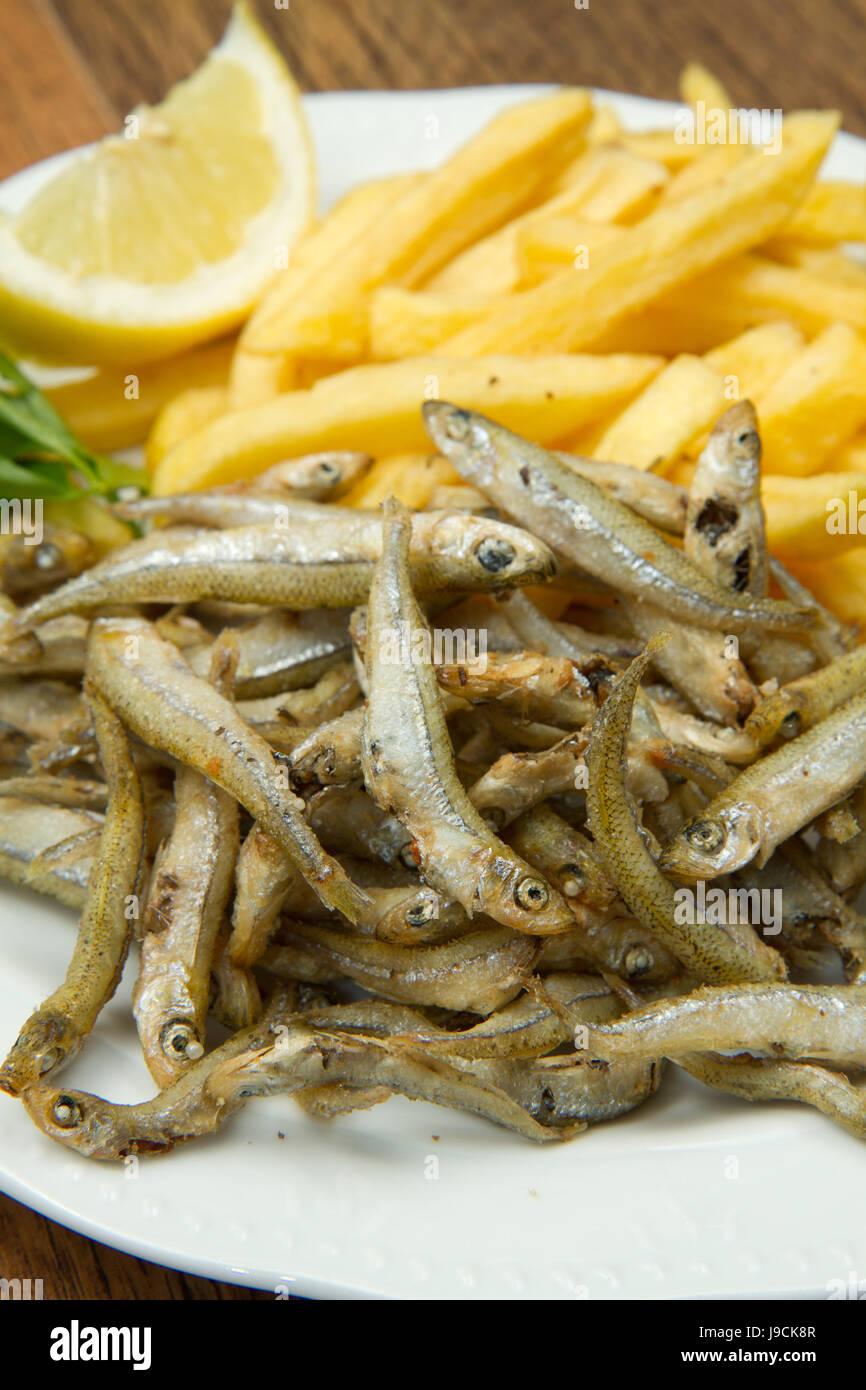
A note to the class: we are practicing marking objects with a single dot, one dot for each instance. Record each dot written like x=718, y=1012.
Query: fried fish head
x=713, y=844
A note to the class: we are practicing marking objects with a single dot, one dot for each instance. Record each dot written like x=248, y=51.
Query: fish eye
x=47, y=556
x=458, y=425
x=706, y=835
x=637, y=961
x=178, y=1039
x=790, y=725
x=531, y=894
x=420, y=913
x=749, y=438
x=50, y=1058
x=67, y=1112
x=327, y=470
x=572, y=879
x=495, y=554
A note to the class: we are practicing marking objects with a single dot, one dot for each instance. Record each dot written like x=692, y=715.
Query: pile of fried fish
x=356, y=797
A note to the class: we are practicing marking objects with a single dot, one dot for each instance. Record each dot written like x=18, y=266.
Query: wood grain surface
x=70, y=70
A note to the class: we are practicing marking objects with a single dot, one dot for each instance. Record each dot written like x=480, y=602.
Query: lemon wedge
x=164, y=236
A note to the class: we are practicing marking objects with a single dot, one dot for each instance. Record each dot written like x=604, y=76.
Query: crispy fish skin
x=31, y=829
x=782, y=1020
x=565, y=856
x=281, y=1055
x=56, y=1031
x=658, y=501
x=696, y=662
x=725, y=533
x=760, y=1079
x=706, y=950
x=312, y=477
x=805, y=702
x=773, y=799
x=191, y=881
x=409, y=768
x=479, y=971
x=324, y=565
x=589, y=528
x=149, y=684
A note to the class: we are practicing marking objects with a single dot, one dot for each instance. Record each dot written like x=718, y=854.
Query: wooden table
x=70, y=69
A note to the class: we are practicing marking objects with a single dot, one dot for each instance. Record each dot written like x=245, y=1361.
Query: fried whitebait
x=588, y=528
x=313, y=477
x=479, y=971
x=774, y=798
x=409, y=765
x=192, y=877
x=149, y=684
x=56, y=1031
x=275, y=1058
x=805, y=702
x=325, y=564
x=48, y=847
x=821, y=1022
x=709, y=951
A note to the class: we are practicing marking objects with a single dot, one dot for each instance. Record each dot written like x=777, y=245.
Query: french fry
x=831, y=212
x=670, y=246
x=255, y=377
x=354, y=215
x=187, y=412
x=408, y=323
x=115, y=408
x=816, y=518
x=492, y=265
x=816, y=404
x=697, y=83
x=827, y=263
x=487, y=182
x=411, y=478
x=613, y=185
x=727, y=300
x=375, y=408
x=562, y=243
x=604, y=128
x=715, y=161
x=661, y=145
x=658, y=425
x=852, y=456
x=840, y=584
x=752, y=361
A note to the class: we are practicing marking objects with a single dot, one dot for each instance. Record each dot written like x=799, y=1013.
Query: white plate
x=693, y=1196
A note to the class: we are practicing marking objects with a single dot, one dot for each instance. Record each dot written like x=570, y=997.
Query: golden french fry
x=831, y=212
x=490, y=179
x=492, y=265
x=827, y=263
x=658, y=425
x=815, y=518
x=729, y=299
x=714, y=162
x=411, y=478
x=697, y=83
x=749, y=363
x=816, y=404
x=187, y=412
x=670, y=246
x=840, y=584
x=661, y=145
x=613, y=185
x=375, y=408
x=561, y=243
x=852, y=456
x=255, y=378
x=604, y=128
x=353, y=216
x=115, y=408
x=408, y=323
